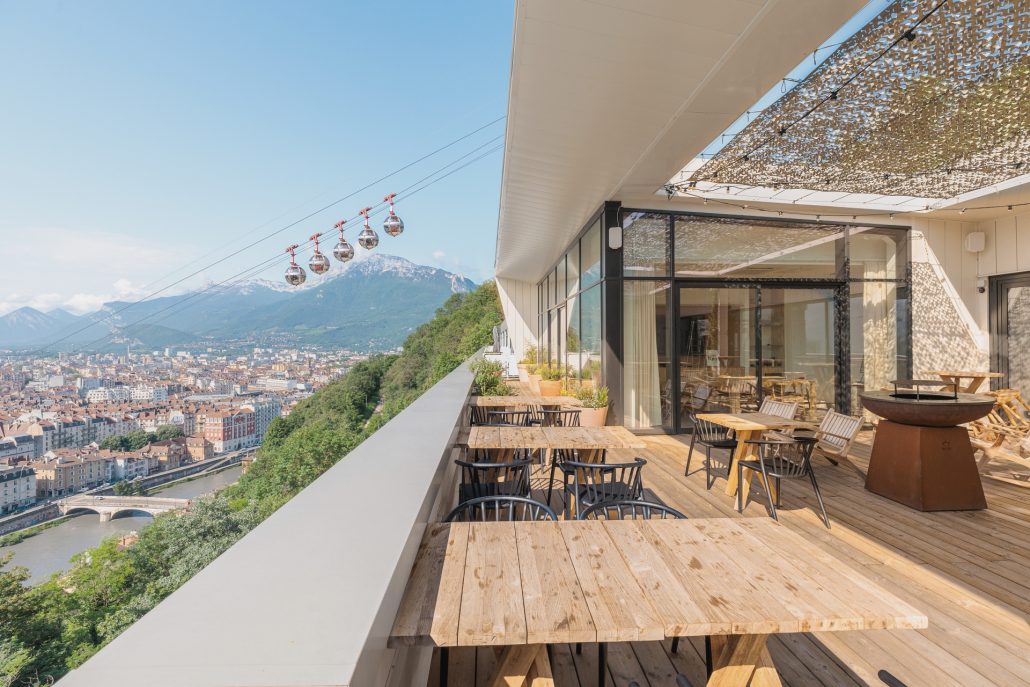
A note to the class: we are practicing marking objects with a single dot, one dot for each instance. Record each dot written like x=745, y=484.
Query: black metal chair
x=563, y=417
x=780, y=460
x=510, y=418
x=630, y=510
x=561, y=456
x=478, y=415
x=710, y=436
x=501, y=509
x=487, y=479
x=593, y=483
x=536, y=415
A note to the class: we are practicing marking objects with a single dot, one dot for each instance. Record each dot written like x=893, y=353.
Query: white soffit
x=610, y=98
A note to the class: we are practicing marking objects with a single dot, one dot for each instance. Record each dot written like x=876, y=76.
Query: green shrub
x=488, y=378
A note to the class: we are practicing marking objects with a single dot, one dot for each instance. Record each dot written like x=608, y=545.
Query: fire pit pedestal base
x=926, y=468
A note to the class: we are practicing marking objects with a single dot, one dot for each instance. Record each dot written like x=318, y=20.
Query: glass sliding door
x=1010, y=330
x=797, y=335
x=716, y=347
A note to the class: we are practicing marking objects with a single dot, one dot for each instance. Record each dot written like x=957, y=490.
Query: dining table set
x=518, y=585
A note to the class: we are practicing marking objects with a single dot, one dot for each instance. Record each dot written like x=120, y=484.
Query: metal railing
x=309, y=596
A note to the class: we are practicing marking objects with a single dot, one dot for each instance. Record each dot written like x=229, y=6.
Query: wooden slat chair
x=835, y=435
x=787, y=409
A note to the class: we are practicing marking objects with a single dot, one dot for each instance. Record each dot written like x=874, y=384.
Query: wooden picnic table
x=523, y=401
x=584, y=438
x=746, y=426
x=976, y=379
x=523, y=585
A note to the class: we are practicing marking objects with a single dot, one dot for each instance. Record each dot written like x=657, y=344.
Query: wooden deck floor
x=968, y=571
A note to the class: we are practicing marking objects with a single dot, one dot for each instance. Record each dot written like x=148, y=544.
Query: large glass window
x=875, y=316
x=647, y=395
x=878, y=253
x=573, y=341
x=727, y=248
x=591, y=256
x=645, y=245
x=572, y=265
x=590, y=334
x=561, y=290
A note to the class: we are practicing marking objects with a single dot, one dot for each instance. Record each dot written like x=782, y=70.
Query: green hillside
x=52, y=627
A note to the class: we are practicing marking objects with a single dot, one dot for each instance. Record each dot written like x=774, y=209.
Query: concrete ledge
x=309, y=596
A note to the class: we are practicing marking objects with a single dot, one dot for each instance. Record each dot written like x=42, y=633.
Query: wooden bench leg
x=521, y=665
x=741, y=660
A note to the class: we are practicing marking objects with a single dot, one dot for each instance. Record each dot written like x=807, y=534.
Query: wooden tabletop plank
x=523, y=401
x=585, y=438
x=492, y=611
x=620, y=609
x=556, y=610
x=429, y=609
x=658, y=578
x=749, y=422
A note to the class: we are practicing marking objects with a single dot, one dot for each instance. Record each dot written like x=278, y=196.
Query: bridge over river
x=109, y=507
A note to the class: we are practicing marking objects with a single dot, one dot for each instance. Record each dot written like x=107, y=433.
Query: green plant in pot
x=488, y=378
x=594, y=406
x=551, y=380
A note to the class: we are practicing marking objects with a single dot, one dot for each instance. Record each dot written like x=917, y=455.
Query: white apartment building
x=17, y=448
x=265, y=410
x=148, y=392
x=112, y=394
x=17, y=488
x=130, y=467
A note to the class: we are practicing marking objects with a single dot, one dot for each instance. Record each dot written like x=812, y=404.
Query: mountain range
x=365, y=305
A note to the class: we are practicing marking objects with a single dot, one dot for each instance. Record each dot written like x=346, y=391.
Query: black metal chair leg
x=819, y=497
x=550, y=482
x=675, y=644
x=778, y=492
x=708, y=656
x=579, y=648
x=709, y=480
x=602, y=664
x=444, y=660
x=690, y=454
x=768, y=491
x=740, y=488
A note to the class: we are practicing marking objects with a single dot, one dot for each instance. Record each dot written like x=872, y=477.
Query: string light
x=295, y=275
x=319, y=264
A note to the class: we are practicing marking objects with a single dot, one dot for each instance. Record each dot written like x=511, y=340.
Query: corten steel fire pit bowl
x=920, y=457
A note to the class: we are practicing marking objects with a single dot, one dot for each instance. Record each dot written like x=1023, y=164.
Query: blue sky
x=140, y=137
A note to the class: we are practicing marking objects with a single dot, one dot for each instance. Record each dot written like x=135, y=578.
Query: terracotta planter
x=524, y=373
x=549, y=388
x=534, y=383
x=592, y=417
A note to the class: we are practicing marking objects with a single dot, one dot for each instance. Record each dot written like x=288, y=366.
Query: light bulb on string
x=367, y=239
x=295, y=274
x=319, y=264
x=394, y=225
x=344, y=252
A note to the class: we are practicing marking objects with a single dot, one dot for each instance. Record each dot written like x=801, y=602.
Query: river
x=50, y=550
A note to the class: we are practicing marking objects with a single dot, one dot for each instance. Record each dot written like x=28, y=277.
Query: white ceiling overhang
x=611, y=98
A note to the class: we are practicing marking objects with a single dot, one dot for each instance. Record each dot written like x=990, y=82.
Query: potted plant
x=488, y=378
x=594, y=410
x=551, y=380
x=527, y=363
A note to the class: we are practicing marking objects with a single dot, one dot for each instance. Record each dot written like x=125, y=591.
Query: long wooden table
x=584, y=438
x=746, y=426
x=524, y=585
x=523, y=401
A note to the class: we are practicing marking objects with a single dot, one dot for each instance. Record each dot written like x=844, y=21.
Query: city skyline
x=151, y=162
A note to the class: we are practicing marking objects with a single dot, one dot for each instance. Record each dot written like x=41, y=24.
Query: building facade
x=17, y=487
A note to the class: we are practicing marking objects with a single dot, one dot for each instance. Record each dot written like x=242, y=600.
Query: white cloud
x=79, y=264
x=439, y=254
